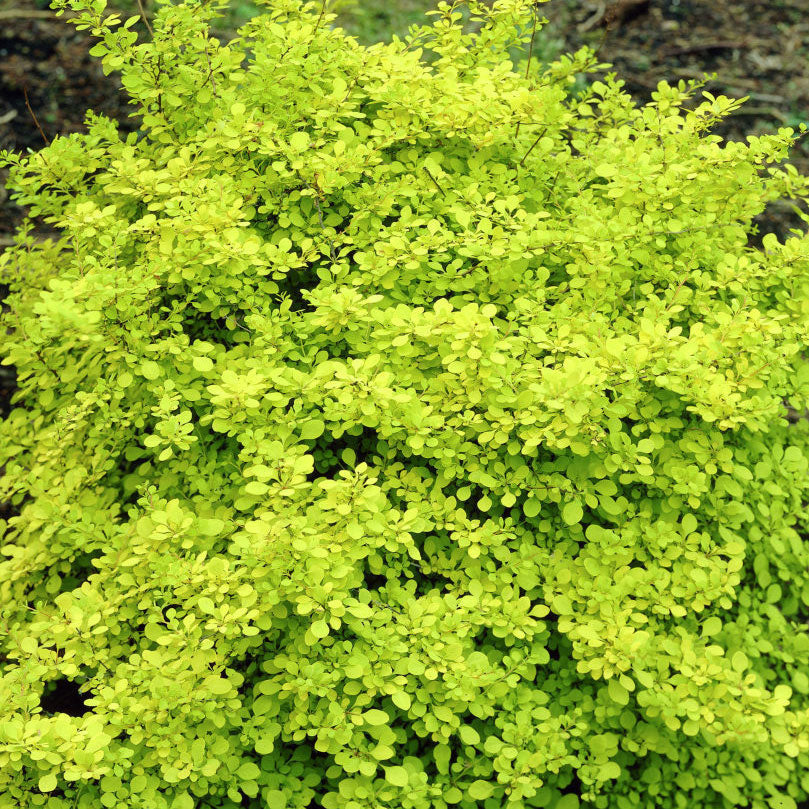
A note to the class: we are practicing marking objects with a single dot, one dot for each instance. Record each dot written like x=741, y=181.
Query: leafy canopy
x=397, y=427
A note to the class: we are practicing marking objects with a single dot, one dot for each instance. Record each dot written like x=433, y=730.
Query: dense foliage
x=399, y=428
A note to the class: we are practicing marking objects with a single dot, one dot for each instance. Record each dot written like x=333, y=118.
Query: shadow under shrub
x=421, y=424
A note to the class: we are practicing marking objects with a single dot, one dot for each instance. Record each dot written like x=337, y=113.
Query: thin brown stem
x=528, y=66
x=28, y=105
x=320, y=17
x=145, y=18
x=435, y=182
x=210, y=68
x=676, y=293
x=531, y=46
x=533, y=146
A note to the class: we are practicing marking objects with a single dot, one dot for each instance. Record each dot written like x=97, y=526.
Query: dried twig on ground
x=26, y=14
x=594, y=19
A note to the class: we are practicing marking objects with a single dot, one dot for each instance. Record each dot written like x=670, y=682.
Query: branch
x=28, y=104
x=145, y=19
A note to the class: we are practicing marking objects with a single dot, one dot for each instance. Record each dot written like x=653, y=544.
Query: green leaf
x=531, y=508
x=609, y=771
x=265, y=745
x=606, y=170
x=782, y=801
x=468, y=735
x=441, y=756
x=47, y=783
x=572, y=513
x=480, y=790
x=312, y=429
x=210, y=527
x=401, y=699
x=382, y=752
x=206, y=605
x=375, y=717
x=218, y=685
x=182, y=801
x=299, y=141
x=248, y=771
x=617, y=692
x=274, y=799
x=739, y=661
x=561, y=605
x=397, y=776
x=202, y=364
x=800, y=682
x=150, y=369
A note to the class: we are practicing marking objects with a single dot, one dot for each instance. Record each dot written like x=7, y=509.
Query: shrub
x=401, y=432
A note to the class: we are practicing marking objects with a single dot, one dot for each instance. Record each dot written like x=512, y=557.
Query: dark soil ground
x=757, y=48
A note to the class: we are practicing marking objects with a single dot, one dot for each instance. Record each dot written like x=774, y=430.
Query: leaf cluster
x=398, y=427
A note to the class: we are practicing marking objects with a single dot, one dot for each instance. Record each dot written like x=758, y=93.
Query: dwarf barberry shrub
x=402, y=432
